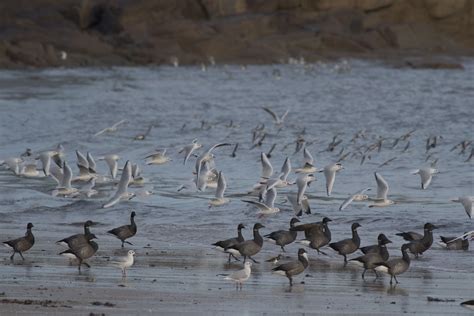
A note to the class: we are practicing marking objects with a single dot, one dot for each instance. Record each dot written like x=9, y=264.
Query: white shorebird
x=124, y=262
x=206, y=156
x=219, y=200
x=466, y=201
x=382, y=191
x=240, y=276
x=302, y=206
x=426, y=175
x=65, y=188
x=189, y=149
x=269, y=206
x=302, y=182
x=111, y=161
x=330, y=174
x=110, y=129
x=12, y=164
x=278, y=119
x=308, y=163
x=122, y=192
x=158, y=158
x=29, y=170
x=358, y=196
x=83, y=165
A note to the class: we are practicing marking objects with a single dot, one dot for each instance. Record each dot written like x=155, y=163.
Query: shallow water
x=41, y=108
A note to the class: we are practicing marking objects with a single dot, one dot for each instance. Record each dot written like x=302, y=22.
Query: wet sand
x=186, y=278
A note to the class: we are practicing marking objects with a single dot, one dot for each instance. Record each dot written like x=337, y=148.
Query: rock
x=439, y=9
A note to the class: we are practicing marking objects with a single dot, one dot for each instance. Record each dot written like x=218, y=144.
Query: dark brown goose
x=77, y=239
x=83, y=251
x=248, y=248
x=380, y=248
x=347, y=246
x=284, y=237
x=291, y=269
x=319, y=236
x=397, y=266
x=21, y=244
x=126, y=231
x=222, y=244
x=419, y=246
x=314, y=228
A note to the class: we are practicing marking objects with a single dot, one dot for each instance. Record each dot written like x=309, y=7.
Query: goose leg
x=122, y=243
x=13, y=255
x=395, y=278
x=283, y=249
x=21, y=256
x=253, y=260
x=363, y=274
x=129, y=243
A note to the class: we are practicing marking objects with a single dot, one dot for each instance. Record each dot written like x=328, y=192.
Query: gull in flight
x=382, y=191
x=124, y=262
x=219, y=200
x=269, y=206
x=466, y=201
x=278, y=119
x=302, y=182
x=45, y=158
x=65, y=187
x=358, y=196
x=189, y=149
x=330, y=174
x=110, y=129
x=88, y=188
x=83, y=165
x=30, y=171
x=122, y=192
x=282, y=180
x=308, y=163
x=426, y=175
x=13, y=164
x=158, y=158
x=240, y=276
x=301, y=207
x=137, y=178
x=91, y=161
x=111, y=161
x=206, y=156
x=267, y=172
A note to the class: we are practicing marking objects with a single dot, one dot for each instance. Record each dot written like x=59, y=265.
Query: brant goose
x=222, y=244
x=283, y=237
x=455, y=243
x=21, y=244
x=419, y=245
x=347, y=246
x=397, y=266
x=248, y=248
x=291, y=269
x=126, y=231
x=78, y=239
x=380, y=248
x=83, y=251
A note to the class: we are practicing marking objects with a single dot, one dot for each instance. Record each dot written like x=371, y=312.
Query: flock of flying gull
x=263, y=195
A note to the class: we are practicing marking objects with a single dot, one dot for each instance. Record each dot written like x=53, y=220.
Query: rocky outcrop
x=101, y=32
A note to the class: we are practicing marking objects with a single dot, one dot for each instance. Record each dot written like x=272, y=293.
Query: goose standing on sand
x=419, y=245
x=397, y=266
x=223, y=244
x=283, y=237
x=374, y=255
x=382, y=190
x=330, y=175
x=77, y=239
x=240, y=276
x=291, y=269
x=248, y=248
x=347, y=246
x=124, y=262
x=317, y=235
x=380, y=247
x=126, y=231
x=21, y=244
x=83, y=251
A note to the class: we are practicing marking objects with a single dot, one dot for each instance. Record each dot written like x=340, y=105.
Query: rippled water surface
x=41, y=108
